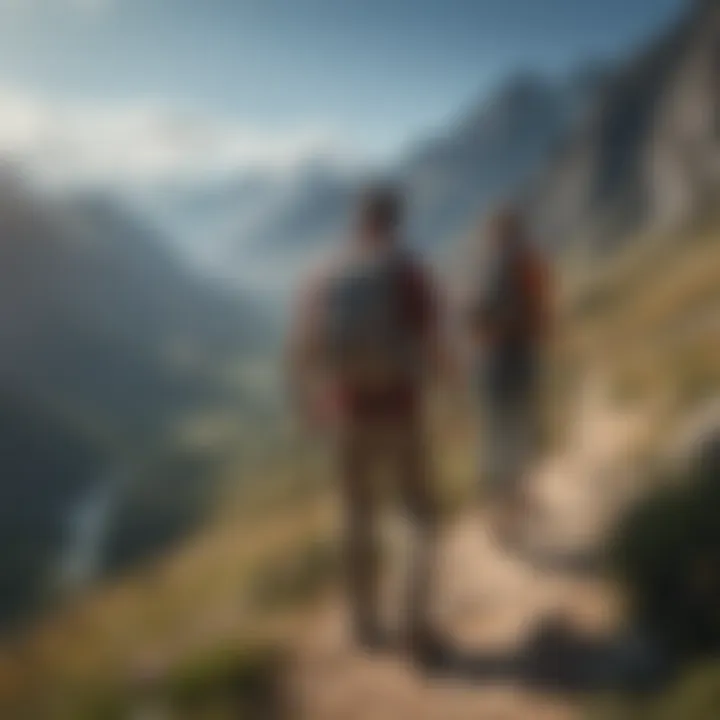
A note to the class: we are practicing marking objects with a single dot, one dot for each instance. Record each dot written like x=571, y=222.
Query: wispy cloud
x=85, y=6
x=90, y=5
x=142, y=143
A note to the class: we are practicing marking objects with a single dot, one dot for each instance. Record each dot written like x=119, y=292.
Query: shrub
x=666, y=553
x=695, y=696
x=233, y=682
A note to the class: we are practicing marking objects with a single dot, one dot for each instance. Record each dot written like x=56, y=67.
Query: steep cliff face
x=497, y=146
x=683, y=160
x=647, y=155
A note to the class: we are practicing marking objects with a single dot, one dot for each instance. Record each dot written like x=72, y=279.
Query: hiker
x=363, y=348
x=508, y=320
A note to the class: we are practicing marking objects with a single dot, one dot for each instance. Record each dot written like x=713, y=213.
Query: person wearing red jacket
x=509, y=321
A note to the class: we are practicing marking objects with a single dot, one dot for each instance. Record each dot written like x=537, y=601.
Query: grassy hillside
x=203, y=630
x=650, y=318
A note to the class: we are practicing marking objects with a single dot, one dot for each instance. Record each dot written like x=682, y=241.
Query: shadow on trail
x=580, y=564
x=557, y=658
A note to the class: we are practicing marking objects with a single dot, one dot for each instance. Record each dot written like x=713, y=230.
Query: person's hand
x=326, y=409
x=318, y=410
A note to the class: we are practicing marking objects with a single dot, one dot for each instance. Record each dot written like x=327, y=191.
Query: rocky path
x=529, y=629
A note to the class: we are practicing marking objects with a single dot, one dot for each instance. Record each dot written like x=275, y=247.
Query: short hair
x=383, y=204
x=506, y=221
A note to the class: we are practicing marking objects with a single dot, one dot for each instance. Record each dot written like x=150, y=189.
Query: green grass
x=227, y=682
x=271, y=550
x=694, y=696
x=295, y=576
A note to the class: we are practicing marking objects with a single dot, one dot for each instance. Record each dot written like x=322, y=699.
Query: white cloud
x=86, y=6
x=142, y=143
x=90, y=5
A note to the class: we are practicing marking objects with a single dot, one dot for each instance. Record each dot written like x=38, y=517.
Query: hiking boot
x=370, y=637
x=429, y=649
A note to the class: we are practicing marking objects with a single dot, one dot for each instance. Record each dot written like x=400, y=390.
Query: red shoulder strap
x=417, y=297
x=535, y=285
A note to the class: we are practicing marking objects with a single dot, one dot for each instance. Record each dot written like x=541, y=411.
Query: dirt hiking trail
x=527, y=627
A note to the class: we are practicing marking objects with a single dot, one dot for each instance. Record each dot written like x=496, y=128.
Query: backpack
x=513, y=295
x=370, y=342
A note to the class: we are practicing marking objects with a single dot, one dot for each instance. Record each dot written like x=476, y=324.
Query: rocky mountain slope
x=648, y=156
x=602, y=155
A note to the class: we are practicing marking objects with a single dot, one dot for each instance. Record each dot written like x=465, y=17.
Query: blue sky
x=370, y=74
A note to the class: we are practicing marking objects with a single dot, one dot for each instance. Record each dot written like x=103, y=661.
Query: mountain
x=495, y=148
x=95, y=308
x=254, y=228
x=648, y=157
x=109, y=343
x=265, y=228
x=449, y=180
x=595, y=156
x=45, y=464
x=309, y=208
x=202, y=216
x=598, y=156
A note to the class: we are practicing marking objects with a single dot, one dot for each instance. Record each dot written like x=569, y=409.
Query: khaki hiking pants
x=398, y=450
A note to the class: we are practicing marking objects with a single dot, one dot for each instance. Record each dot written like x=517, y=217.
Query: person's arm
x=482, y=327
x=538, y=285
x=545, y=297
x=303, y=349
x=474, y=317
x=427, y=316
x=481, y=321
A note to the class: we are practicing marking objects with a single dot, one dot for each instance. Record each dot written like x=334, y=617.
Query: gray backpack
x=369, y=338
